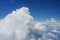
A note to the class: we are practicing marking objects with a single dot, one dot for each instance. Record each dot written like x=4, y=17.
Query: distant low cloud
x=20, y=25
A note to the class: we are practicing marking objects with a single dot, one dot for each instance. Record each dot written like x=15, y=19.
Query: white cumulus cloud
x=20, y=25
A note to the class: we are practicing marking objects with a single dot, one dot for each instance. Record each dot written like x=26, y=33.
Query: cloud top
x=20, y=25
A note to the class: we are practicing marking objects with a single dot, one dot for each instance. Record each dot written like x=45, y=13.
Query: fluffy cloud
x=20, y=25
x=16, y=23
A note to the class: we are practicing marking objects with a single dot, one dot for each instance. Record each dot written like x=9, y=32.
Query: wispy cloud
x=12, y=1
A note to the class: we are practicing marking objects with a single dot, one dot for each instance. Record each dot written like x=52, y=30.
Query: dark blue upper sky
x=40, y=9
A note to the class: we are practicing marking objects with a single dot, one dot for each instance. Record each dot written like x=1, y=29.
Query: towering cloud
x=16, y=22
x=20, y=25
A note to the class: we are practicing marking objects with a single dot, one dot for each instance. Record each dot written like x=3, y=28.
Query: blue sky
x=40, y=9
x=38, y=25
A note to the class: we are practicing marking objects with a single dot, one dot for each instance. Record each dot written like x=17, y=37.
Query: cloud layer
x=20, y=25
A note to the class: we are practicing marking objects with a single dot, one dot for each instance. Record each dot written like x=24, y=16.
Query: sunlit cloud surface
x=20, y=25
